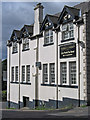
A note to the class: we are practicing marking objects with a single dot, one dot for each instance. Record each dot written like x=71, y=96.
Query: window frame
x=49, y=36
x=16, y=74
x=23, y=74
x=75, y=74
x=12, y=74
x=67, y=31
x=25, y=44
x=27, y=73
x=15, y=47
x=52, y=74
x=45, y=74
x=63, y=82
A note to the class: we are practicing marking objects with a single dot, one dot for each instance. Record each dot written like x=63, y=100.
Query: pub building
x=48, y=61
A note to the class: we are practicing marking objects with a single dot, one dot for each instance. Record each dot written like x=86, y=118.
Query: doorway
x=25, y=101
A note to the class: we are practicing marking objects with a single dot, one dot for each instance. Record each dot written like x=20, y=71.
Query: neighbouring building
x=48, y=62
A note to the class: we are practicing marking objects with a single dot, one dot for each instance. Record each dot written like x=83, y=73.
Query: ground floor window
x=52, y=73
x=71, y=73
x=16, y=71
x=12, y=74
x=28, y=73
x=64, y=73
x=72, y=66
x=45, y=73
x=23, y=73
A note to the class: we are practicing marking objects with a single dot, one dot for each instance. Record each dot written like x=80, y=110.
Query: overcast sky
x=16, y=14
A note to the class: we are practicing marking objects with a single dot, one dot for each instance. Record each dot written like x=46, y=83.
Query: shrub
x=4, y=95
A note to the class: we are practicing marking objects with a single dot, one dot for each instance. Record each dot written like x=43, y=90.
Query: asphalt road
x=73, y=114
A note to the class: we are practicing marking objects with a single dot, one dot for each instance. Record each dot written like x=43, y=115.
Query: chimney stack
x=38, y=13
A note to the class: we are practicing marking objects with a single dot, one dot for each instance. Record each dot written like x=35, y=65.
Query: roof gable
x=48, y=22
x=15, y=35
x=68, y=14
x=26, y=30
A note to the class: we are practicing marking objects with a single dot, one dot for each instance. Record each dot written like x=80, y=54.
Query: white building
x=48, y=61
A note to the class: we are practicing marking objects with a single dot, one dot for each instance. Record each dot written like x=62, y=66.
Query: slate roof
x=84, y=6
x=29, y=28
x=17, y=32
x=53, y=18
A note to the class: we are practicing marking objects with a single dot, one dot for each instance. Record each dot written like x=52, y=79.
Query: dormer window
x=48, y=37
x=25, y=44
x=67, y=31
x=15, y=47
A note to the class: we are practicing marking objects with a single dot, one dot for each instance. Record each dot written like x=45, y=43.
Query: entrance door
x=25, y=101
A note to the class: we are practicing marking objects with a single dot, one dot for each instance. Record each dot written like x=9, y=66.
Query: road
x=76, y=114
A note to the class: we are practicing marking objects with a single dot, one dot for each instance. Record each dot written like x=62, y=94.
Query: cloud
x=16, y=14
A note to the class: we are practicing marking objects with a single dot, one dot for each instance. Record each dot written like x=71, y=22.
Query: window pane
x=25, y=44
x=45, y=73
x=14, y=46
x=52, y=72
x=16, y=73
x=48, y=38
x=12, y=74
x=73, y=72
x=28, y=73
x=23, y=73
x=63, y=73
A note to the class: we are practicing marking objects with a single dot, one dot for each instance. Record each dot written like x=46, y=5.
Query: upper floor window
x=48, y=37
x=67, y=31
x=25, y=44
x=14, y=47
x=23, y=73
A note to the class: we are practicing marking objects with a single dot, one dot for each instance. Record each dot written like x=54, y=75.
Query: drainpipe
x=19, y=75
x=78, y=66
x=56, y=69
x=36, y=77
x=9, y=78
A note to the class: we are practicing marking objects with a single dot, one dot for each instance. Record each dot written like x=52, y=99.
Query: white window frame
x=63, y=73
x=27, y=73
x=45, y=73
x=66, y=30
x=25, y=44
x=16, y=73
x=72, y=73
x=12, y=74
x=23, y=74
x=15, y=47
x=49, y=37
x=52, y=72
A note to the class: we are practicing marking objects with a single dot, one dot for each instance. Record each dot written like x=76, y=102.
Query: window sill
x=67, y=40
x=48, y=44
x=15, y=82
x=14, y=52
x=48, y=84
x=68, y=86
x=25, y=50
x=26, y=83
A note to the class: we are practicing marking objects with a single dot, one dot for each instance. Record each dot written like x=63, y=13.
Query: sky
x=16, y=14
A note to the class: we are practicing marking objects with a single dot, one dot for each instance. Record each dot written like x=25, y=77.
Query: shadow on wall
x=67, y=102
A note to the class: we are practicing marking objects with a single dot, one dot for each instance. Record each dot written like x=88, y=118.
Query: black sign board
x=68, y=50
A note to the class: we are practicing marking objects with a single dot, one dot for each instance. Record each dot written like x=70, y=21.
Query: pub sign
x=68, y=50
